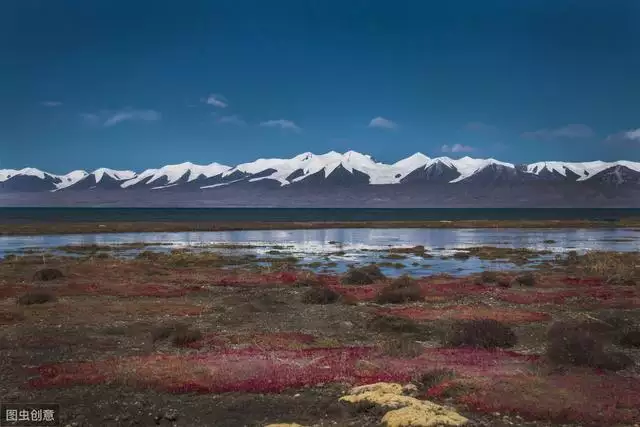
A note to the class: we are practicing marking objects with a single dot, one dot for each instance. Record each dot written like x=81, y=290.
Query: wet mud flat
x=196, y=338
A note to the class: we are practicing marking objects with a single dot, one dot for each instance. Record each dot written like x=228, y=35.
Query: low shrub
x=318, y=295
x=574, y=344
x=480, y=333
x=401, y=290
x=527, y=279
x=395, y=325
x=163, y=332
x=631, y=338
x=433, y=378
x=489, y=277
x=185, y=336
x=363, y=275
x=47, y=274
x=36, y=297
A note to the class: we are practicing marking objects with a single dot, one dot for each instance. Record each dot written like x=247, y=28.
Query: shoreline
x=62, y=227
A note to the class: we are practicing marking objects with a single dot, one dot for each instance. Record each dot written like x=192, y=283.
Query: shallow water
x=322, y=245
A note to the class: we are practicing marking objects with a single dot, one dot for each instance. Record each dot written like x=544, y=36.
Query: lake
x=348, y=246
x=24, y=215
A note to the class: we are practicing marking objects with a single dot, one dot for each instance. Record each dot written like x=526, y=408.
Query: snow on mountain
x=332, y=168
x=465, y=166
x=6, y=174
x=116, y=175
x=70, y=179
x=173, y=173
x=584, y=170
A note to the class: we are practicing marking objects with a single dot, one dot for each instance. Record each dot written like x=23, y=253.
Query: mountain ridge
x=335, y=179
x=306, y=165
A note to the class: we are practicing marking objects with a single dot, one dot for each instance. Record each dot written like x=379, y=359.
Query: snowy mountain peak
x=116, y=175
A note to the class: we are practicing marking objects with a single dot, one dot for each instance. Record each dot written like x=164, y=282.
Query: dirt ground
x=137, y=342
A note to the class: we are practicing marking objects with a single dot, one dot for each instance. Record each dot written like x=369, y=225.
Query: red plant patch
x=462, y=288
x=533, y=297
x=506, y=315
x=590, y=399
x=257, y=370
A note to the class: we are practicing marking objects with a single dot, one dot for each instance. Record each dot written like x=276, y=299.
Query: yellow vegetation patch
x=284, y=425
x=405, y=411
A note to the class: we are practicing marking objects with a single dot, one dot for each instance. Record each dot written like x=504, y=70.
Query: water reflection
x=314, y=245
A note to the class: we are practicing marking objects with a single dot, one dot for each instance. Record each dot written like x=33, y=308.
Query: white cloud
x=633, y=135
x=217, y=100
x=381, y=122
x=456, y=148
x=51, y=103
x=568, y=131
x=283, y=124
x=131, y=115
x=112, y=118
x=231, y=120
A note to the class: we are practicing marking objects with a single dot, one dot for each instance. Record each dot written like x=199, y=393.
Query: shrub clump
x=489, y=277
x=363, y=275
x=37, y=297
x=46, y=274
x=401, y=290
x=395, y=325
x=178, y=333
x=185, y=336
x=481, y=333
x=575, y=344
x=527, y=279
x=320, y=295
x=435, y=377
x=631, y=338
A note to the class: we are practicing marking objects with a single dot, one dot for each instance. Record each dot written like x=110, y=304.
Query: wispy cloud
x=382, y=123
x=456, y=148
x=568, y=131
x=633, y=135
x=217, y=100
x=112, y=118
x=627, y=136
x=51, y=103
x=132, y=115
x=480, y=127
x=231, y=120
x=282, y=124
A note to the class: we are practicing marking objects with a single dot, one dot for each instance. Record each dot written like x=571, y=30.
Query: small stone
x=157, y=419
x=296, y=395
x=347, y=324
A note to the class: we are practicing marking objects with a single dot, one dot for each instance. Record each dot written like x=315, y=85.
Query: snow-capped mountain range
x=331, y=168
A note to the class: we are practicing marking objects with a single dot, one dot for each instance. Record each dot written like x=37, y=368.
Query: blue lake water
x=325, y=245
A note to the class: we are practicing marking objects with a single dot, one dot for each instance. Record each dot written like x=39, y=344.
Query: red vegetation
x=506, y=315
x=589, y=399
x=257, y=370
x=534, y=297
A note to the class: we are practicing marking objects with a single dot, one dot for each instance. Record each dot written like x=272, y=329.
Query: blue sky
x=139, y=84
